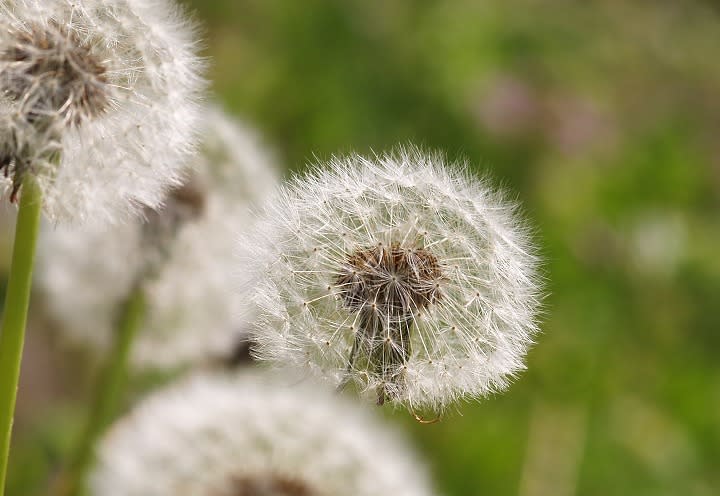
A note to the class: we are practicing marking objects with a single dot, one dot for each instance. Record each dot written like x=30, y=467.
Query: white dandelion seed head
x=99, y=102
x=180, y=256
x=250, y=435
x=401, y=274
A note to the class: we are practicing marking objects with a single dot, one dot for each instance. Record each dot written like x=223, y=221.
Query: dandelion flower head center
x=392, y=281
x=53, y=73
x=269, y=485
x=387, y=286
x=183, y=205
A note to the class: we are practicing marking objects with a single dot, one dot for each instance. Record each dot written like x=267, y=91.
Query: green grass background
x=603, y=119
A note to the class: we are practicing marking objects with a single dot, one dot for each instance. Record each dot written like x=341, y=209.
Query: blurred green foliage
x=603, y=119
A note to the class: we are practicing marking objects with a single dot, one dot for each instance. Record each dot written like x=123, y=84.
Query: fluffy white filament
x=400, y=274
x=98, y=101
x=192, y=314
x=216, y=435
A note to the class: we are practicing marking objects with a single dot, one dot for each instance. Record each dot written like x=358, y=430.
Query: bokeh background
x=603, y=119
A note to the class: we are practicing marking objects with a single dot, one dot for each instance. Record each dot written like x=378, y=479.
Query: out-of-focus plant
x=254, y=435
x=98, y=108
x=169, y=271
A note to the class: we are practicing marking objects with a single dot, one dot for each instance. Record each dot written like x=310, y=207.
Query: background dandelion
x=179, y=255
x=214, y=434
x=397, y=273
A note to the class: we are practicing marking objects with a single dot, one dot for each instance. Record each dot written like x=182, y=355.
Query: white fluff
x=208, y=433
x=192, y=314
x=126, y=153
x=467, y=339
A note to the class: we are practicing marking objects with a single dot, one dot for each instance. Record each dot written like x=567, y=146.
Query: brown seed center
x=54, y=73
x=269, y=485
x=182, y=205
x=387, y=286
x=390, y=280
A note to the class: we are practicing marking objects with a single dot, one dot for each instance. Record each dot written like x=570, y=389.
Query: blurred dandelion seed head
x=400, y=274
x=249, y=434
x=99, y=101
x=179, y=254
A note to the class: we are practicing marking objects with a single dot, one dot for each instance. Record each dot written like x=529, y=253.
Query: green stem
x=17, y=300
x=109, y=390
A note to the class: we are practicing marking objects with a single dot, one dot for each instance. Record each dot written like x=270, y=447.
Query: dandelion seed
x=179, y=255
x=98, y=101
x=254, y=436
x=421, y=279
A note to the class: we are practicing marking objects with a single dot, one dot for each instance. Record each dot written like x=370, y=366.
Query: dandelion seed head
x=400, y=274
x=179, y=255
x=99, y=101
x=254, y=435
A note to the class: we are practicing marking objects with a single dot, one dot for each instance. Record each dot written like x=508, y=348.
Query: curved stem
x=17, y=300
x=108, y=391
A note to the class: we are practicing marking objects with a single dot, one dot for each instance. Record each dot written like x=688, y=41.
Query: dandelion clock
x=251, y=435
x=98, y=102
x=178, y=255
x=401, y=275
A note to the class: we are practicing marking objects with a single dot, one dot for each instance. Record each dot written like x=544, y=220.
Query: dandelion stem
x=109, y=390
x=17, y=300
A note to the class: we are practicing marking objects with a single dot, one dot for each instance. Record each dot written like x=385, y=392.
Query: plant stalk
x=109, y=390
x=14, y=320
